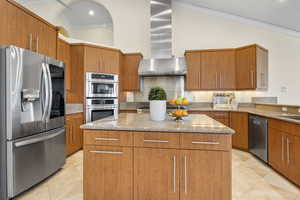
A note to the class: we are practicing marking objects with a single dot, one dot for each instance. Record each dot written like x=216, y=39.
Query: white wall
x=198, y=29
x=95, y=35
x=195, y=28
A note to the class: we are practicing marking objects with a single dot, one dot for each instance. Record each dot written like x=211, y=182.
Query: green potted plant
x=158, y=103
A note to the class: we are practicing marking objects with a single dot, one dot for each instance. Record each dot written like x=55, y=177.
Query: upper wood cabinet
x=251, y=68
x=239, y=123
x=129, y=72
x=102, y=60
x=24, y=29
x=64, y=55
x=76, y=94
x=193, y=81
x=227, y=69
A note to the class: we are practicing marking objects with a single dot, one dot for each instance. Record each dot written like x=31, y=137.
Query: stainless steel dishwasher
x=258, y=137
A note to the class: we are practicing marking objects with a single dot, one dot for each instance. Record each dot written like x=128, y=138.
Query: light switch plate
x=284, y=109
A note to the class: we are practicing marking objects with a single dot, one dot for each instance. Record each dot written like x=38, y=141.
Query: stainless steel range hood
x=162, y=63
x=162, y=67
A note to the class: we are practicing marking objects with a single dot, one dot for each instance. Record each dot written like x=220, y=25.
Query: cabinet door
x=226, y=68
x=193, y=71
x=156, y=174
x=74, y=133
x=110, y=62
x=205, y=175
x=92, y=59
x=8, y=23
x=209, y=71
x=69, y=143
x=63, y=54
x=277, y=150
x=239, y=123
x=292, y=158
x=129, y=72
x=108, y=173
x=246, y=68
x=76, y=96
x=46, y=40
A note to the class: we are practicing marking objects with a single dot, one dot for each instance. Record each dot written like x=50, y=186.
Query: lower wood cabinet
x=73, y=133
x=205, y=175
x=135, y=170
x=110, y=173
x=222, y=117
x=284, y=149
x=156, y=174
x=239, y=123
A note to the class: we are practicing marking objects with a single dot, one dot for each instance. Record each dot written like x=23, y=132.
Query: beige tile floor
x=252, y=180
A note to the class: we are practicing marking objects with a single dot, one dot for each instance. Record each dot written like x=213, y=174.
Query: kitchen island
x=136, y=158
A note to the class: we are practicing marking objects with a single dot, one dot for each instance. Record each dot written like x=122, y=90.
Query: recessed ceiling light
x=91, y=12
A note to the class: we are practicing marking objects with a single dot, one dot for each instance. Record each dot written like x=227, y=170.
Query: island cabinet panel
x=108, y=173
x=205, y=175
x=219, y=142
x=222, y=117
x=239, y=123
x=112, y=138
x=156, y=174
x=193, y=81
x=156, y=140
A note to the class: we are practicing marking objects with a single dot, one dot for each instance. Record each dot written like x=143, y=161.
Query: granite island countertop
x=194, y=123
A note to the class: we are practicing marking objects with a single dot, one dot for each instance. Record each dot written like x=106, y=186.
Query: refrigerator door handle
x=39, y=139
x=46, y=82
x=49, y=92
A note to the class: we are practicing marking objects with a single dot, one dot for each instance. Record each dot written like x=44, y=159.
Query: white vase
x=158, y=110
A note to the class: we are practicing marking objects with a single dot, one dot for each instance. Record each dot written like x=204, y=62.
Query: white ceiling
x=77, y=13
x=282, y=13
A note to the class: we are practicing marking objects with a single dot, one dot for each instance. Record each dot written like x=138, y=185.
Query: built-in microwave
x=99, y=108
x=102, y=85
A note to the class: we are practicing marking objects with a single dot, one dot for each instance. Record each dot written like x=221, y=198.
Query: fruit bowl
x=179, y=102
x=178, y=114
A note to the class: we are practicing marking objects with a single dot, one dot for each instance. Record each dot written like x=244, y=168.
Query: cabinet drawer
x=206, y=141
x=156, y=140
x=111, y=138
x=284, y=126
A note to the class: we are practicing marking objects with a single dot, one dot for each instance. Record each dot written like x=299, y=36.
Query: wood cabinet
x=76, y=94
x=108, y=173
x=244, y=68
x=284, y=140
x=156, y=174
x=64, y=55
x=251, y=68
x=205, y=175
x=22, y=28
x=142, y=165
x=129, y=72
x=74, y=139
x=101, y=60
x=193, y=81
x=239, y=123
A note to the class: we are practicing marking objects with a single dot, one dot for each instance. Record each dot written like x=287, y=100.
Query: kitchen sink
x=295, y=117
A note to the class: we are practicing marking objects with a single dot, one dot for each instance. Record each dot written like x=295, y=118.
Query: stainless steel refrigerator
x=32, y=127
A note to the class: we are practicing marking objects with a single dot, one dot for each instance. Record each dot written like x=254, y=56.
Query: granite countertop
x=194, y=123
x=246, y=109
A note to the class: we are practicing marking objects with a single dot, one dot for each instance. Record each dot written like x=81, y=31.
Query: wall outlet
x=284, y=109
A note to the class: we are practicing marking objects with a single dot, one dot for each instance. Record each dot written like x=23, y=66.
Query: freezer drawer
x=32, y=159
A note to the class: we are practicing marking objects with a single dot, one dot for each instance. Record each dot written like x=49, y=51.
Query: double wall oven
x=101, y=96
